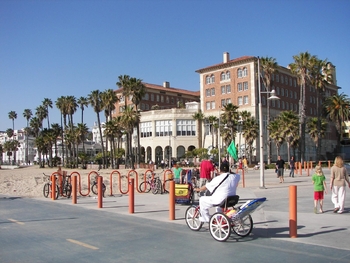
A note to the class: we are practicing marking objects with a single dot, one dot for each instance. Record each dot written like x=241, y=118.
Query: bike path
x=270, y=221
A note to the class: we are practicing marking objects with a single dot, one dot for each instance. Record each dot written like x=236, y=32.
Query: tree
x=80, y=132
x=27, y=114
x=288, y=125
x=41, y=113
x=338, y=110
x=212, y=120
x=95, y=101
x=199, y=117
x=275, y=134
x=250, y=129
x=47, y=103
x=57, y=129
x=61, y=105
x=229, y=117
x=316, y=131
x=300, y=68
x=82, y=102
x=268, y=69
x=12, y=116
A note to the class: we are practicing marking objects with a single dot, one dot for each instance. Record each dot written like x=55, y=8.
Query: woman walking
x=339, y=176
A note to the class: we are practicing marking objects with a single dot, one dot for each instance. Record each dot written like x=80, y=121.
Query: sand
x=29, y=181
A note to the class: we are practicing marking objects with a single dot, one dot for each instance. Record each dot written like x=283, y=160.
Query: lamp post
x=272, y=97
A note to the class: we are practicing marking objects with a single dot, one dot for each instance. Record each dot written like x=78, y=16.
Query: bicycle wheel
x=242, y=226
x=145, y=186
x=57, y=191
x=220, y=227
x=156, y=186
x=192, y=215
x=94, y=188
x=46, y=190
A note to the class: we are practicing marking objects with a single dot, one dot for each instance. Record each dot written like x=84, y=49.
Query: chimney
x=226, y=57
x=166, y=84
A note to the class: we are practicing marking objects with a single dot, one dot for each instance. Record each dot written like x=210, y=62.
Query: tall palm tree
x=268, y=68
x=130, y=118
x=47, y=103
x=95, y=101
x=315, y=131
x=338, y=110
x=276, y=135
x=250, y=133
x=288, y=125
x=41, y=113
x=12, y=116
x=319, y=77
x=301, y=68
x=199, y=117
x=212, y=120
x=27, y=114
x=138, y=90
x=229, y=117
x=82, y=102
x=61, y=105
x=81, y=130
x=57, y=130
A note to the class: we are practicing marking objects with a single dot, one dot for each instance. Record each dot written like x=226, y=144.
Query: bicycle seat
x=230, y=201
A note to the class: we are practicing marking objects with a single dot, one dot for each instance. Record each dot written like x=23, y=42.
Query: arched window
x=207, y=80
x=245, y=72
x=239, y=73
x=222, y=76
x=228, y=75
x=212, y=79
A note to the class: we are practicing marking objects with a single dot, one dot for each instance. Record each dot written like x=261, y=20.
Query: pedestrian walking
x=280, y=168
x=319, y=181
x=291, y=166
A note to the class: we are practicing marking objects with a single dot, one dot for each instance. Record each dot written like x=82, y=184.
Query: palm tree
x=316, y=131
x=81, y=131
x=47, y=103
x=319, y=77
x=300, y=68
x=199, y=116
x=41, y=113
x=229, y=117
x=288, y=125
x=72, y=106
x=138, y=90
x=268, y=68
x=61, y=105
x=275, y=134
x=82, y=102
x=12, y=116
x=95, y=101
x=27, y=114
x=57, y=130
x=338, y=110
x=130, y=118
x=212, y=120
x=250, y=133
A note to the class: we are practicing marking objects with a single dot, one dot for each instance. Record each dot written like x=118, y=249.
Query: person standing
x=339, y=176
x=280, y=168
x=206, y=171
x=177, y=173
x=291, y=166
x=319, y=181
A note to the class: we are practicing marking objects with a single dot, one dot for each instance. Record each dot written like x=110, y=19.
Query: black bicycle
x=47, y=187
x=94, y=185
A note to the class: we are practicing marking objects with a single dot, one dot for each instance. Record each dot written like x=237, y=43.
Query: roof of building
x=169, y=89
x=231, y=62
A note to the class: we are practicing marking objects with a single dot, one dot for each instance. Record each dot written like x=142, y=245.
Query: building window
x=245, y=100
x=282, y=79
x=228, y=75
x=277, y=78
x=239, y=73
x=163, y=128
x=152, y=97
x=167, y=99
x=185, y=127
x=245, y=72
x=161, y=98
x=213, y=105
x=213, y=91
x=207, y=92
x=223, y=90
x=222, y=76
x=245, y=85
x=278, y=104
x=283, y=105
x=146, y=129
x=273, y=103
x=239, y=87
x=207, y=105
x=295, y=82
x=121, y=99
x=287, y=106
x=146, y=97
x=282, y=91
x=157, y=98
x=223, y=102
x=295, y=95
x=228, y=89
x=228, y=101
x=212, y=79
x=286, y=93
x=278, y=91
x=240, y=101
x=290, y=82
x=207, y=80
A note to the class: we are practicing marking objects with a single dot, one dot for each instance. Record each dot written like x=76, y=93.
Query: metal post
x=262, y=166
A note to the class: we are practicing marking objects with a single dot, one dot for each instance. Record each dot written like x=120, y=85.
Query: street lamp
x=272, y=97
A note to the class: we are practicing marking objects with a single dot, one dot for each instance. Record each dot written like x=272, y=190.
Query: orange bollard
x=300, y=169
x=329, y=164
x=131, y=196
x=74, y=189
x=296, y=168
x=243, y=181
x=310, y=165
x=53, y=187
x=172, y=200
x=308, y=169
x=293, y=211
x=99, y=191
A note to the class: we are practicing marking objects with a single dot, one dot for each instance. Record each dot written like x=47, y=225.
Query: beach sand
x=29, y=181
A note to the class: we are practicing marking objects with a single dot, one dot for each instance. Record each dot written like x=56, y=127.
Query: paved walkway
x=271, y=220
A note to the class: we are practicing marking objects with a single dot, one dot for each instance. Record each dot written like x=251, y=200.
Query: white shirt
x=227, y=188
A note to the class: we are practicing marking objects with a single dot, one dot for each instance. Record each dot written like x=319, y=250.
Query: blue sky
x=58, y=48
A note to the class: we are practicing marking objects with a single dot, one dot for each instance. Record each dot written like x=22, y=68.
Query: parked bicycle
x=67, y=186
x=154, y=185
x=94, y=185
x=47, y=187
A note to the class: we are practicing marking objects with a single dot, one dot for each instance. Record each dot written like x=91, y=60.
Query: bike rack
x=144, y=179
x=79, y=183
x=111, y=181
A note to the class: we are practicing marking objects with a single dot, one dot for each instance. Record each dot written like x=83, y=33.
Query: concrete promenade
x=270, y=221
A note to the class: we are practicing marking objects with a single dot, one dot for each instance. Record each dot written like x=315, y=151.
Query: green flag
x=232, y=150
